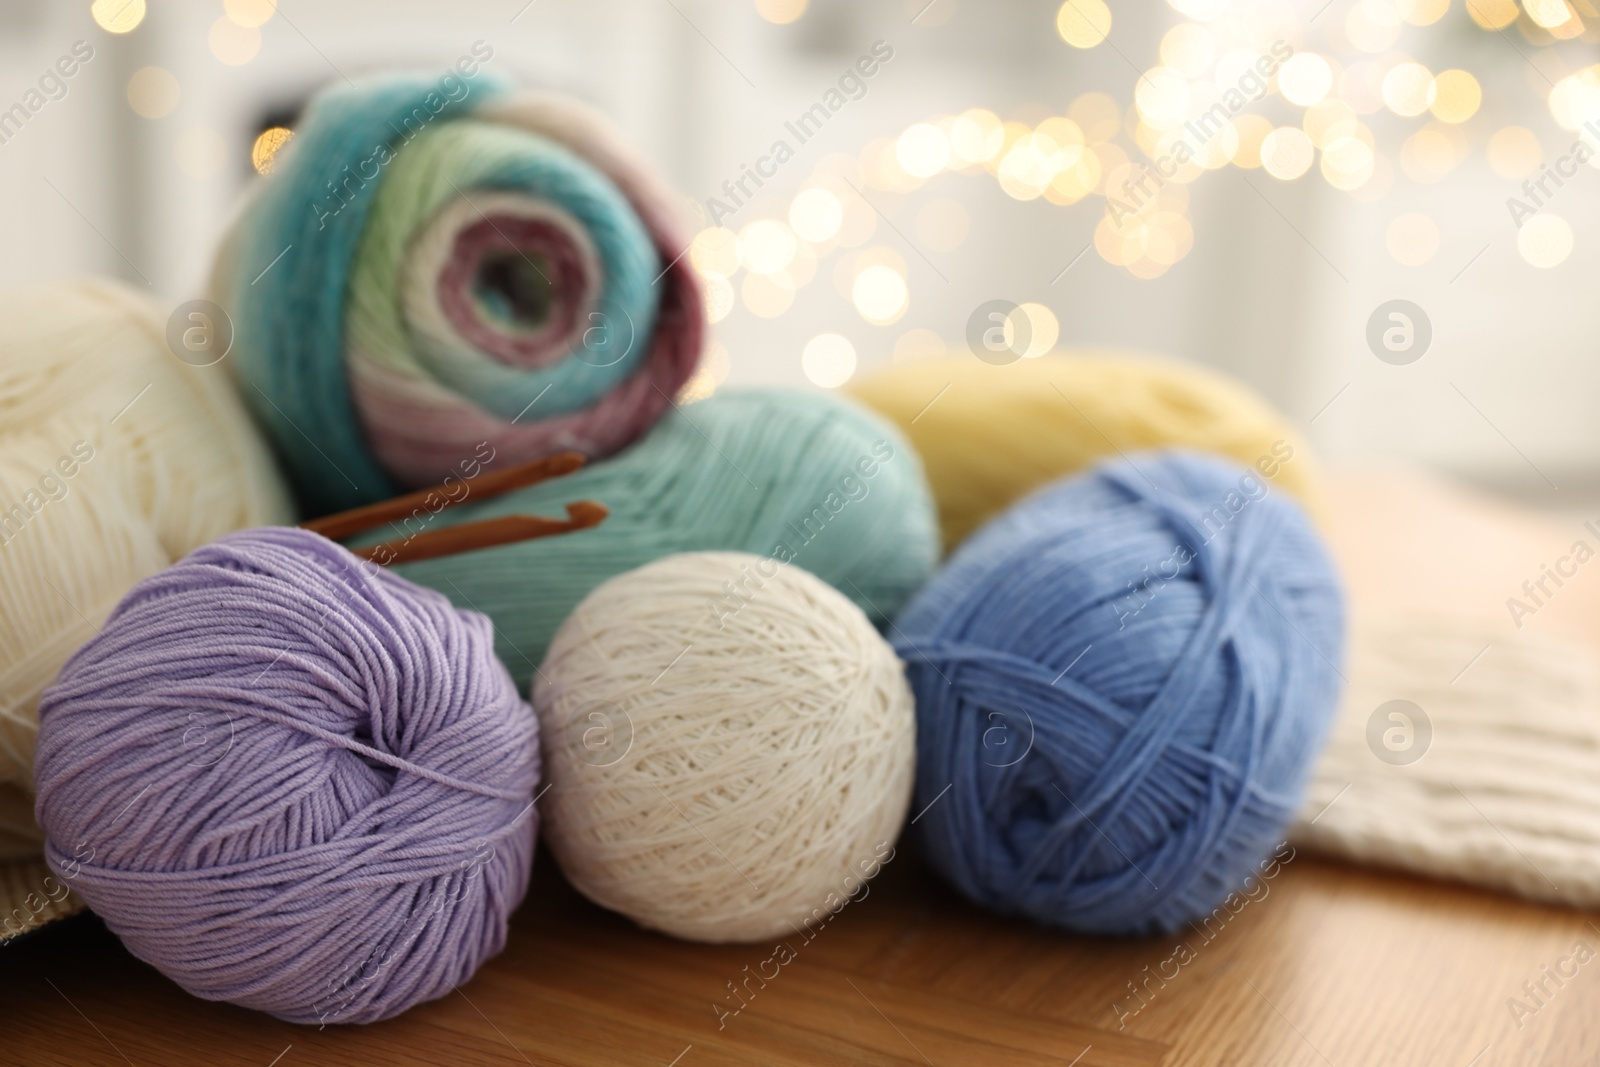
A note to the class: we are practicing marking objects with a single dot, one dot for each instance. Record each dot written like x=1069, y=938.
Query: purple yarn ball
x=292, y=781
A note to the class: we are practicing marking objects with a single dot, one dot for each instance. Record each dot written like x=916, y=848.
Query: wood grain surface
x=1332, y=966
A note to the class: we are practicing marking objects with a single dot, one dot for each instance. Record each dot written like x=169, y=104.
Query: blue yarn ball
x=1122, y=682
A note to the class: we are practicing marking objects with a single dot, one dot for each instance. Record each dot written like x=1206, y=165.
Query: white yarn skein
x=162, y=459
x=719, y=764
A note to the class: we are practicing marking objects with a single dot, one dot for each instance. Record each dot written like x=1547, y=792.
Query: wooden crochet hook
x=468, y=537
x=484, y=487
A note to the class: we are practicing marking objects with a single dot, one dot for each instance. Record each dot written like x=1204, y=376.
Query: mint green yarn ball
x=807, y=479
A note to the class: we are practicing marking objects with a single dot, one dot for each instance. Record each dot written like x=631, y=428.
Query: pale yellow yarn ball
x=116, y=459
x=729, y=747
x=989, y=435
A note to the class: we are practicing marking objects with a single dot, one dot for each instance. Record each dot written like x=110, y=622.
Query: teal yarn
x=1122, y=683
x=773, y=472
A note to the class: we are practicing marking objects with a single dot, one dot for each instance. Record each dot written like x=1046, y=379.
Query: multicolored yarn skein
x=116, y=458
x=1122, y=684
x=436, y=266
x=292, y=781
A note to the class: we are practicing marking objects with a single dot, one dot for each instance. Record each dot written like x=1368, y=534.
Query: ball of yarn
x=769, y=472
x=291, y=781
x=432, y=265
x=116, y=458
x=996, y=433
x=1121, y=685
x=729, y=747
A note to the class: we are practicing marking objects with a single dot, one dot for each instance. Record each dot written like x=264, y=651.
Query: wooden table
x=1334, y=966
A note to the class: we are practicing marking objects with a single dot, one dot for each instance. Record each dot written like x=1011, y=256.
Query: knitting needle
x=507, y=529
x=483, y=487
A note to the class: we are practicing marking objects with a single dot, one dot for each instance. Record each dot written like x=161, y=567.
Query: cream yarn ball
x=729, y=746
x=116, y=459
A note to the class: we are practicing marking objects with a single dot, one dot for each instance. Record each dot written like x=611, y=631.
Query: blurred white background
x=1381, y=183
